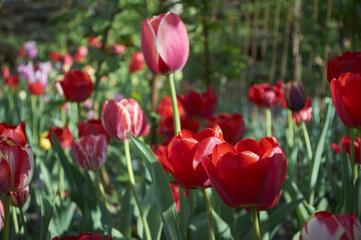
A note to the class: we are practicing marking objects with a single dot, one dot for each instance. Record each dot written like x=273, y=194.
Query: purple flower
x=30, y=49
x=26, y=71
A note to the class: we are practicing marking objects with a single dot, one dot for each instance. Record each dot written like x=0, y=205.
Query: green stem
x=290, y=127
x=63, y=115
x=307, y=140
x=15, y=220
x=177, y=125
x=269, y=122
x=61, y=182
x=7, y=217
x=24, y=223
x=103, y=195
x=352, y=154
x=256, y=229
x=11, y=99
x=35, y=120
x=209, y=214
x=79, y=111
x=132, y=183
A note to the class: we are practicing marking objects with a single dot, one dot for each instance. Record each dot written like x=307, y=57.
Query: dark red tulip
x=249, y=174
x=55, y=56
x=77, y=85
x=345, y=142
x=136, y=62
x=14, y=132
x=19, y=198
x=199, y=105
x=164, y=42
x=305, y=114
x=183, y=156
x=294, y=96
x=266, y=95
x=84, y=236
x=346, y=98
x=12, y=81
x=63, y=135
x=123, y=116
x=91, y=127
x=326, y=225
x=16, y=166
x=233, y=127
x=90, y=152
x=348, y=62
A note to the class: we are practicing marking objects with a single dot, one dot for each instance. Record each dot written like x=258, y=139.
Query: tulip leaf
x=126, y=213
x=45, y=225
x=162, y=192
x=61, y=219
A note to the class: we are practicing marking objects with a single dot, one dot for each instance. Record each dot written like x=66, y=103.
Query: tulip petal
x=148, y=45
x=5, y=174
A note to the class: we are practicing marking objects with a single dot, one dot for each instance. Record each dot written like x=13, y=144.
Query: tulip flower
x=19, y=198
x=123, y=116
x=345, y=142
x=84, y=236
x=63, y=135
x=326, y=225
x=348, y=62
x=16, y=166
x=77, y=85
x=199, y=105
x=119, y=49
x=346, y=98
x=94, y=42
x=136, y=62
x=233, y=127
x=80, y=54
x=266, y=95
x=304, y=114
x=184, y=153
x=36, y=76
x=44, y=141
x=90, y=152
x=67, y=62
x=250, y=174
x=55, y=56
x=31, y=49
x=2, y=212
x=294, y=96
x=10, y=80
x=14, y=132
x=164, y=42
x=92, y=127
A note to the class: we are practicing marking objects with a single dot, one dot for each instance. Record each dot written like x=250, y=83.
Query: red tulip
x=2, y=213
x=94, y=42
x=84, y=236
x=199, y=105
x=183, y=156
x=346, y=98
x=21, y=52
x=233, y=127
x=63, y=135
x=175, y=192
x=80, y=54
x=19, y=198
x=265, y=95
x=91, y=127
x=16, y=166
x=164, y=42
x=345, y=142
x=348, y=62
x=6, y=72
x=326, y=225
x=77, y=85
x=123, y=116
x=55, y=56
x=249, y=174
x=304, y=114
x=90, y=152
x=14, y=132
x=136, y=62
x=165, y=109
x=12, y=81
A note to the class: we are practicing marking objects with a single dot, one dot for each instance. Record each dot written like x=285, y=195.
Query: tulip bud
x=164, y=42
x=294, y=95
x=77, y=85
x=19, y=198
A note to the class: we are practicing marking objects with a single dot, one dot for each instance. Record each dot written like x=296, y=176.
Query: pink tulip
x=164, y=42
x=19, y=198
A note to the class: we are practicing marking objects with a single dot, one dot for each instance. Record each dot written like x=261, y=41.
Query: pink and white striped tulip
x=19, y=198
x=164, y=42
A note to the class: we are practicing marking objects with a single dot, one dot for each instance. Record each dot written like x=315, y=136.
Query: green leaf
x=126, y=213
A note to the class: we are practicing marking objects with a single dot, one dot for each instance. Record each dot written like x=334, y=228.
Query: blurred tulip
x=326, y=225
x=80, y=54
x=21, y=52
x=294, y=96
x=249, y=174
x=6, y=72
x=94, y=42
x=155, y=151
x=166, y=126
x=305, y=114
x=346, y=98
x=121, y=117
x=67, y=62
x=183, y=156
x=12, y=81
x=90, y=152
x=265, y=95
x=164, y=42
x=63, y=135
x=348, y=62
x=77, y=85
x=199, y=105
x=55, y=56
x=233, y=127
x=345, y=142
x=84, y=236
x=31, y=50
x=165, y=109
x=91, y=127
x=36, y=76
x=2, y=213
x=44, y=142
x=136, y=62
x=16, y=166
x=175, y=192
x=14, y=132
x=119, y=49
x=19, y=198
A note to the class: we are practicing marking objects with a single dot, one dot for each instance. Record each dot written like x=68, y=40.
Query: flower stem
x=269, y=122
x=177, y=125
x=24, y=223
x=132, y=184
x=307, y=140
x=7, y=217
x=290, y=127
x=352, y=154
x=35, y=120
x=256, y=229
x=15, y=220
x=103, y=195
x=61, y=183
x=209, y=214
